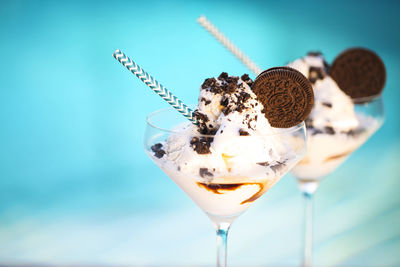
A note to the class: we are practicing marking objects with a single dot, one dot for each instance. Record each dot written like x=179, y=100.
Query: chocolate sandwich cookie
x=359, y=72
x=286, y=94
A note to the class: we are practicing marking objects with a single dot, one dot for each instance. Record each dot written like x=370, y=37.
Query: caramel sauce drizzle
x=216, y=188
x=338, y=156
x=305, y=160
x=226, y=159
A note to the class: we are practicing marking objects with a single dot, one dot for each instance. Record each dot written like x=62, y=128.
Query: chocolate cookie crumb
x=329, y=130
x=205, y=172
x=232, y=79
x=201, y=144
x=156, y=147
x=243, y=132
x=316, y=131
x=202, y=119
x=223, y=76
x=247, y=80
x=326, y=104
x=229, y=88
x=229, y=84
x=209, y=83
x=263, y=163
x=309, y=123
x=278, y=166
x=158, y=152
x=224, y=101
x=354, y=132
x=206, y=101
x=314, y=53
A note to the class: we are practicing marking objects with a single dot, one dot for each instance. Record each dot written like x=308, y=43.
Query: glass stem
x=308, y=229
x=222, y=235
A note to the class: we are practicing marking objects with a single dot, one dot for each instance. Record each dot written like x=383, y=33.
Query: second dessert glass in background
x=326, y=151
x=342, y=118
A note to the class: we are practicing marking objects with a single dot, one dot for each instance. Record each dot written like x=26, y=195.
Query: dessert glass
x=229, y=193
x=326, y=152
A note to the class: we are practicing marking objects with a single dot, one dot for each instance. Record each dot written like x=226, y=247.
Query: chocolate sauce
x=216, y=188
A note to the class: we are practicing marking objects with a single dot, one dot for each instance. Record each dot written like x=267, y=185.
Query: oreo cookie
x=286, y=94
x=359, y=72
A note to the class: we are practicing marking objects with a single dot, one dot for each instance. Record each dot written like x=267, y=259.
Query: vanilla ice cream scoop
x=333, y=109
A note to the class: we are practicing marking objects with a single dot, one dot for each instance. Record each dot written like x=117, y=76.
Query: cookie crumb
x=205, y=172
x=243, y=132
x=201, y=144
x=158, y=152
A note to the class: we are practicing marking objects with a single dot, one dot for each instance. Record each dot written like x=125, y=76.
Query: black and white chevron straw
x=155, y=85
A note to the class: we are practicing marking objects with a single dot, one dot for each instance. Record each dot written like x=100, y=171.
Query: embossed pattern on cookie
x=286, y=94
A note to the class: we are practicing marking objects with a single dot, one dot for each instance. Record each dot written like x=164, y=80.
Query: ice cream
x=334, y=128
x=233, y=156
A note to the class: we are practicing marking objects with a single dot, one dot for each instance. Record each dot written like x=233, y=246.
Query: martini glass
x=237, y=181
x=327, y=151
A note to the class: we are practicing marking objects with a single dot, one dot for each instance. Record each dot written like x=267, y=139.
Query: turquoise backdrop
x=76, y=187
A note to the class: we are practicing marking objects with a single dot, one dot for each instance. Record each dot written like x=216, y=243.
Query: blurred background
x=76, y=187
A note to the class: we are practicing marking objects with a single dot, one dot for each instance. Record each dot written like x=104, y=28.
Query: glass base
x=308, y=187
x=217, y=220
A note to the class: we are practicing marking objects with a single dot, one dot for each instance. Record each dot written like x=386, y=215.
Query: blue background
x=76, y=187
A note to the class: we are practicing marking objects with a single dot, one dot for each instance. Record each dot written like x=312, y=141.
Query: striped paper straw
x=155, y=85
x=229, y=45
